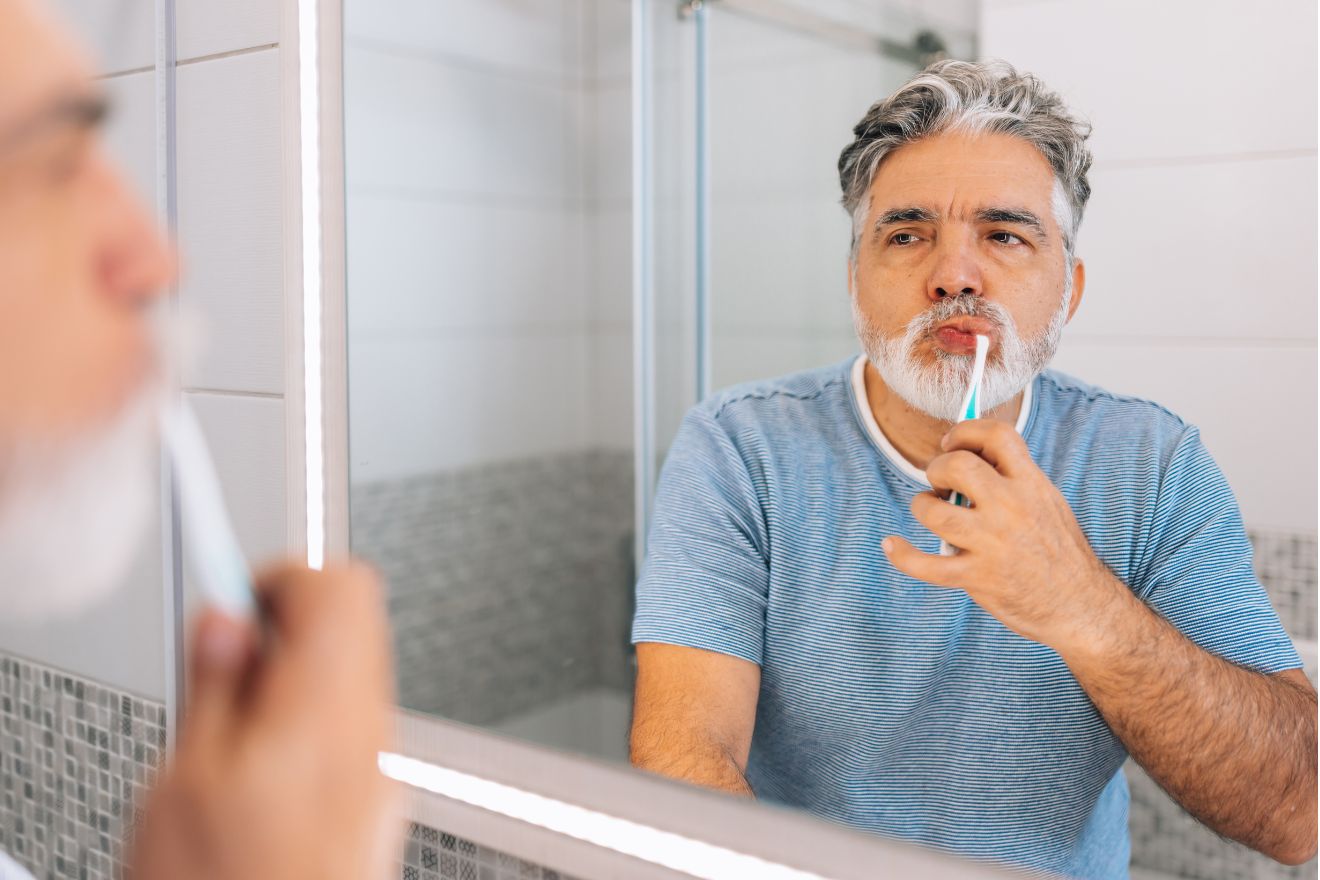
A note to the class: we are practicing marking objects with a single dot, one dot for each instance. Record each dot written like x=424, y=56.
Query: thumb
x=221, y=652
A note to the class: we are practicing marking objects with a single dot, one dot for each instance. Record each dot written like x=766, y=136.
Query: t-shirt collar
x=882, y=442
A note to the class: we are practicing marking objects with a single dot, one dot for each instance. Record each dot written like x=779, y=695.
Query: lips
x=958, y=335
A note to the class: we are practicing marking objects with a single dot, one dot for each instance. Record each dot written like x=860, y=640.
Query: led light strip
x=674, y=851
x=309, y=91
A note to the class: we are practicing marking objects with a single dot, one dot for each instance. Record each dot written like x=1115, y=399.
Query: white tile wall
x=611, y=389
x=779, y=127
x=1196, y=78
x=779, y=261
x=759, y=353
x=230, y=187
x=533, y=37
x=207, y=27
x=1201, y=287
x=1253, y=403
x=421, y=264
x=246, y=436
x=418, y=123
x=612, y=49
x=120, y=35
x=489, y=172
x=130, y=133
x=610, y=260
x=439, y=401
x=1206, y=249
x=610, y=144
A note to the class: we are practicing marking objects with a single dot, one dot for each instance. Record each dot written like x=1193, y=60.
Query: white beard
x=940, y=388
x=73, y=515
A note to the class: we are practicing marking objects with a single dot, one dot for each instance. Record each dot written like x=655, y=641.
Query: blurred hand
x=275, y=775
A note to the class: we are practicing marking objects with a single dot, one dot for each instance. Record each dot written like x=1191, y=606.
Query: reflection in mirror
x=487, y=149
x=501, y=412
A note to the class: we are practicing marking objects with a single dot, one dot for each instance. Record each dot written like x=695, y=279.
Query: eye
x=1010, y=235
x=894, y=239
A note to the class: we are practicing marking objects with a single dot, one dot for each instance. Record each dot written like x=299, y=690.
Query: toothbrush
x=216, y=560
x=971, y=409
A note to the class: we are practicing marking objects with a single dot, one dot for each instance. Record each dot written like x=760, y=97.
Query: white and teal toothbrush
x=218, y=565
x=971, y=409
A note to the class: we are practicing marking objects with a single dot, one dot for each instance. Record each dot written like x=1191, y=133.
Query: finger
x=942, y=571
x=955, y=524
x=299, y=602
x=996, y=442
x=965, y=472
x=221, y=653
x=330, y=646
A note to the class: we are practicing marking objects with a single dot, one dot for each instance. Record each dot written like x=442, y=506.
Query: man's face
x=80, y=262
x=80, y=259
x=961, y=238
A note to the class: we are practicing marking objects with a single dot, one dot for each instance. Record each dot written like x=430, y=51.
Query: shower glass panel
x=488, y=190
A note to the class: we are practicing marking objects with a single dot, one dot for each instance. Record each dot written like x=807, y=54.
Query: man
x=801, y=638
x=275, y=773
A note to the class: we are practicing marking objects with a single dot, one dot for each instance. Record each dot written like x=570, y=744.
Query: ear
x=1079, y=286
x=851, y=276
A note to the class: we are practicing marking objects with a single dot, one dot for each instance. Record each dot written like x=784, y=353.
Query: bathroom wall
x=489, y=239
x=1199, y=244
x=1200, y=238
x=472, y=265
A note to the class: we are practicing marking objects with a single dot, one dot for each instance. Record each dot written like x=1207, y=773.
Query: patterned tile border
x=75, y=756
x=1167, y=840
x=511, y=584
x=430, y=854
x=1286, y=566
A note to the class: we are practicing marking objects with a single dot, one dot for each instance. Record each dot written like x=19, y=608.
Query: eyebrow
x=82, y=111
x=916, y=214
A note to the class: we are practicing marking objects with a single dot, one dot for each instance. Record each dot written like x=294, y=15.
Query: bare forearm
x=689, y=759
x=1236, y=748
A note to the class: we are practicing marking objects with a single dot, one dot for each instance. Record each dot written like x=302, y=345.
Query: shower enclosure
x=568, y=221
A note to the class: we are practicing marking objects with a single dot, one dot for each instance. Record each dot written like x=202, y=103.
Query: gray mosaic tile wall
x=1286, y=565
x=75, y=756
x=510, y=583
x=433, y=855
x=1165, y=839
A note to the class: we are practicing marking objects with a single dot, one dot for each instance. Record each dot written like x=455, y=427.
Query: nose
x=956, y=270
x=135, y=265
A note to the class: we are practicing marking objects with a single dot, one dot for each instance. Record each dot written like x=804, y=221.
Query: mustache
x=964, y=305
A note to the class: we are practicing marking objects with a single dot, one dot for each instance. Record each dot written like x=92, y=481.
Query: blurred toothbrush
x=213, y=552
x=971, y=409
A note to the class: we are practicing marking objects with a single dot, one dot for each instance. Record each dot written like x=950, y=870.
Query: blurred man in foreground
x=275, y=772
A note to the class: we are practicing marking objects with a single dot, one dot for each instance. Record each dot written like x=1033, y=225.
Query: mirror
x=519, y=367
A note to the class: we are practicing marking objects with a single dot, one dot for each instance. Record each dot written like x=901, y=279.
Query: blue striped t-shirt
x=900, y=707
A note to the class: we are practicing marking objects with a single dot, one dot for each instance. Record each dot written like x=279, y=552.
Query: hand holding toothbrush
x=1022, y=555
x=289, y=703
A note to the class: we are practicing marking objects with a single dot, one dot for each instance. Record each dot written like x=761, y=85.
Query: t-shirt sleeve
x=705, y=579
x=1199, y=574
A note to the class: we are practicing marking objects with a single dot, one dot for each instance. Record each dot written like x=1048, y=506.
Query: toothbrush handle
x=947, y=549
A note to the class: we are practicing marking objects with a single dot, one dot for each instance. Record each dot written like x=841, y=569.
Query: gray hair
x=972, y=97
